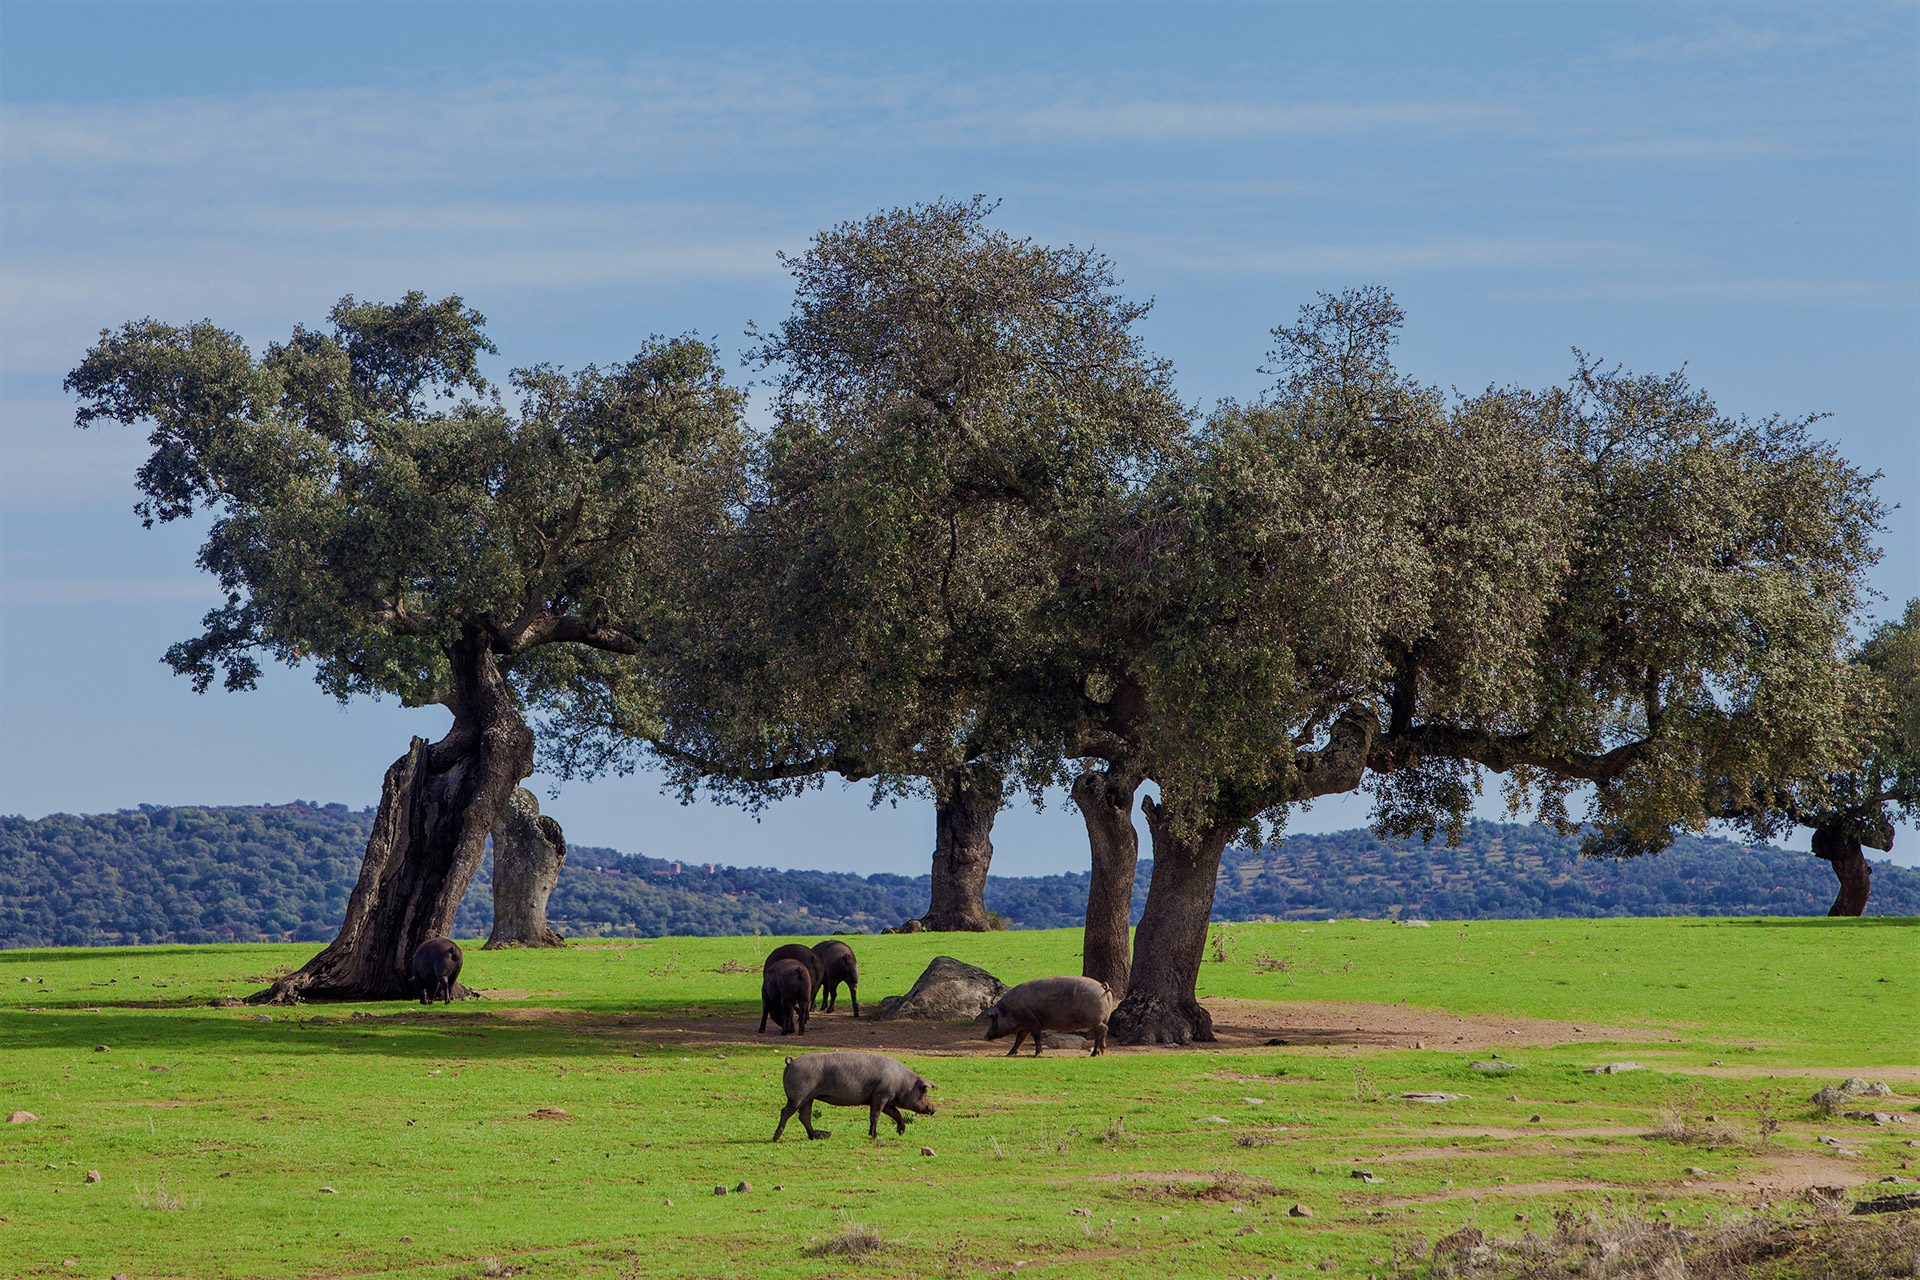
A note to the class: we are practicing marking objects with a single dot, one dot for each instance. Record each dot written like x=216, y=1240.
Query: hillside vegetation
x=282, y=874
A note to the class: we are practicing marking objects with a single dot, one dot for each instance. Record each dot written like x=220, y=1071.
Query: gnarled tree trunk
x=1106, y=803
x=1160, y=1006
x=963, y=850
x=437, y=806
x=528, y=852
x=1840, y=845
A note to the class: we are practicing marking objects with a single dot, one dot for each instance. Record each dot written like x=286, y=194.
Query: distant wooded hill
x=282, y=873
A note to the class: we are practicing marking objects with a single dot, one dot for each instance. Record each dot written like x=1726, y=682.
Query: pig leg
x=1036, y=1042
x=1099, y=1040
x=786, y=1114
x=1019, y=1038
x=874, y=1109
x=853, y=994
x=806, y=1118
x=899, y=1121
x=763, y=1019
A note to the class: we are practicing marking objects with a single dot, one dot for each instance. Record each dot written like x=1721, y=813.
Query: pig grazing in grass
x=839, y=1079
x=436, y=964
x=1051, y=1004
x=837, y=965
x=786, y=995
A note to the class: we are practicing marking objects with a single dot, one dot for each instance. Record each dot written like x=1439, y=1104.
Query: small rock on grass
x=1430, y=1097
x=925, y=1151
x=1614, y=1068
x=93, y=1176
x=328, y=1191
x=22, y=1117
x=743, y=1188
x=1300, y=1211
x=719, y=1191
x=100, y=1048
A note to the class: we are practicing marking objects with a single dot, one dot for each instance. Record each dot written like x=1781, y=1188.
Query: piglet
x=1052, y=1004
x=842, y=1079
x=436, y=963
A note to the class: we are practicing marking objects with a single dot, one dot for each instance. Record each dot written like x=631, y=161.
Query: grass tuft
x=854, y=1240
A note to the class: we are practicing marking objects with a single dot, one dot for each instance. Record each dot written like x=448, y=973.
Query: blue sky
x=1728, y=187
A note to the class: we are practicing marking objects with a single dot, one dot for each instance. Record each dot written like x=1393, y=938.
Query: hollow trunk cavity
x=528, y=852
x=437, y=806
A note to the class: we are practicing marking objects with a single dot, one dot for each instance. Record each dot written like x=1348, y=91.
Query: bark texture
x=1160, y=1007
x=528, y=851
x=963, y=850
x=1106, y=803
x=1840, y=845
x=437, y=806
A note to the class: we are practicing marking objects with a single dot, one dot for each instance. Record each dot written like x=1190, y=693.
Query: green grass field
x=394, y=1140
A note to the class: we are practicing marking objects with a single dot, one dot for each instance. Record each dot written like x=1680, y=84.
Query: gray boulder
x=1855, y=1085
x=1829, y=1099
x=948, y=990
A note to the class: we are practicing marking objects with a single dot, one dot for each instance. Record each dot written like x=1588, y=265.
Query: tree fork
x=438, y=804
x=963, y=850
x=1105, y=800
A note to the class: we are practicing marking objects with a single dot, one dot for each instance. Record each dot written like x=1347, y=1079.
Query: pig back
x=844, y=1078
x=801, y=954
x=1059, y=1004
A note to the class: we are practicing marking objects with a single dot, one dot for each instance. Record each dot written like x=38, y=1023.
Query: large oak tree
x=1606, y=590
x=949, y=401
x=379, y=515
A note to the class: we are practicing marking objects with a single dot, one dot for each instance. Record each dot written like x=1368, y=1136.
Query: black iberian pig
x=842, y=1079
x=786, y=995
x=436, y=963
x=802, y=953
x=837, y=965
x=1051, y=1004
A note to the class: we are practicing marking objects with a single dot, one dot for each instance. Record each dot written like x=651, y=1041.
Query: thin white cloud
x=110, y=591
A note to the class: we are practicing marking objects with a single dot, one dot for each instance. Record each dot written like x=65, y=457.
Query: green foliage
x=365, y=518
x=950, y=400
x=1609, y=589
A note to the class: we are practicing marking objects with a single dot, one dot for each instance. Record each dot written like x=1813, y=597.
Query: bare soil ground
x=1237, y=1024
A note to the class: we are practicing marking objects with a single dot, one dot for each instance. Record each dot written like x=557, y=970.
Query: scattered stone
x=100, y=1048
x=1847, y=1151
x=1878, y=1117
x=1533, y=1120
x=1063, y=1040
x=356, y=1013
x=1300, y=1211
x=743, y=1188
x=93, y=1176
x=1255, y=1102
x=1276, y=1040
x=406, y=1239
x=550, y=1113
x=1854, y=1084
x=719, y=1191
x=328, y=1191
x=948, y=990
x=1080, y=1213
x=1364, y=1174
x=1215, y=1120
x=669, y=1204
x=778, y=1186
x=1714, y=1063
x=1513, y=1097
x=1419, y=1044
x=263, y=1017
x=925, y=1151
x=1413, y=924
x=1829, y=1099
x=1503, y=1178
x=22, y=1117
x=1430, y=1097
x=1329, y=1265
x=1696, y=1171
x=1248, y=1231
x=1614, y=1068
x=1493, y=1066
